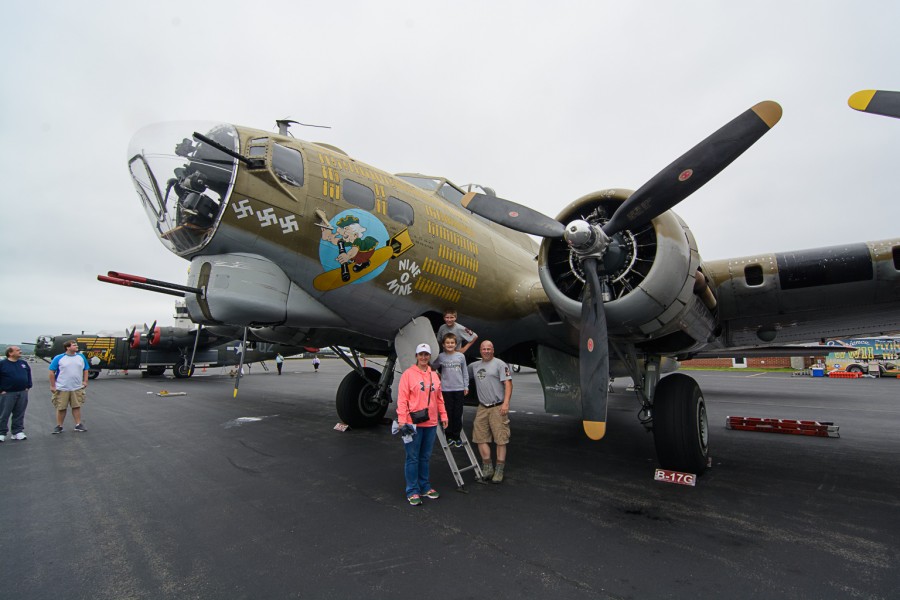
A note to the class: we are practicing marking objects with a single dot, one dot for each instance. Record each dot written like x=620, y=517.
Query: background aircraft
x=303, y=244
x=159, y=348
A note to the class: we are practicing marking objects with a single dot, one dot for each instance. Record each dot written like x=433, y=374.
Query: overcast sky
x=543, y=101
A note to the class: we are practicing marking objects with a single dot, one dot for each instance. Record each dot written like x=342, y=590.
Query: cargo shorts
x=490, y=426
x=62, y=399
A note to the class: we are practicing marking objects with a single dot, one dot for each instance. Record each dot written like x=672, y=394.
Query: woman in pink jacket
x=420, y=389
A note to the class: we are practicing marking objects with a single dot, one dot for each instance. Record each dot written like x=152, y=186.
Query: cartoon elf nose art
x=355, y=247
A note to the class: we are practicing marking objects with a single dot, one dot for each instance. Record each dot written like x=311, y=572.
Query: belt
x=492, y=405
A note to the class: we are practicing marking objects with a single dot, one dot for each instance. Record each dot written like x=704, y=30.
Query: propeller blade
x=877, y=102
x=240, y=368
x=153, y=335
x=512, y=215
x=694, y=168
x=593, y=360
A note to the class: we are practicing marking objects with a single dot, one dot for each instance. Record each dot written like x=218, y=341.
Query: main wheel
x=680, y=425
x=93, y=373
x=181, y=370
x=356, y=403
x=155, y=370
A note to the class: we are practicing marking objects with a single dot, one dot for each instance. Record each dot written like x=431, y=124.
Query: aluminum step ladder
x=474, y=464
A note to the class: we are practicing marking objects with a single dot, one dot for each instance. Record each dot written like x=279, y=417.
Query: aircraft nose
x=183, y=182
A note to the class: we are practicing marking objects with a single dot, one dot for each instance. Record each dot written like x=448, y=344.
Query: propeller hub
x=585, y=238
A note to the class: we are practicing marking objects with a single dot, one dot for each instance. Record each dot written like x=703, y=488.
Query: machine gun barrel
x=152, y=285
x=153, y=282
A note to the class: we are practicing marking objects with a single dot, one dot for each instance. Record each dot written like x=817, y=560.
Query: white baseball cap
x=423, y=348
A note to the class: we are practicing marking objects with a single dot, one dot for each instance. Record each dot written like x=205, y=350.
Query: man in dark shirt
x=15, y=381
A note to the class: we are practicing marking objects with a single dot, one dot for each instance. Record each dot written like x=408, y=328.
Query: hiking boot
x=415, y=500
x=20, y=436
x=432, y=494
x=57, y=429
x=80, y=428
x=498, y=473
x=487, y=469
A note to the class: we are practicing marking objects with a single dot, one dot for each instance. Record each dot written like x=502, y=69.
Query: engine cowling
x=652, y=275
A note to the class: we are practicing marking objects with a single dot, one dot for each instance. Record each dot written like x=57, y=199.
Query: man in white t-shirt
x=68, y=380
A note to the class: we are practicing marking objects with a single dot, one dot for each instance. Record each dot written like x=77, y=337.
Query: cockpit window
x=426, y=183
x=287, y=164
x=444, y=188
x=449, y=192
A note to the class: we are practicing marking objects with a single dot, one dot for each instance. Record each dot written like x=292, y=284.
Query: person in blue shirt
x=15, y=381
x=68, y=381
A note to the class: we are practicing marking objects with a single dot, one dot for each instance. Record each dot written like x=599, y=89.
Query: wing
x=807, y=295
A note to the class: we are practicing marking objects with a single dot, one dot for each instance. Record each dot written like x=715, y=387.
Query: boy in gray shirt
x=465, y=337
x=454, y=385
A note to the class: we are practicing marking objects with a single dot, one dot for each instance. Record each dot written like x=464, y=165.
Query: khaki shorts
x=62, y=399
x=490, y=426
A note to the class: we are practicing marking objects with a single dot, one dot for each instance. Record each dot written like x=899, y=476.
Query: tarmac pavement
x=207, y=496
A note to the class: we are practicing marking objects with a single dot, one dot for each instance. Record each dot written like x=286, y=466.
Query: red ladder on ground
x=813, y=428
x=844, y=375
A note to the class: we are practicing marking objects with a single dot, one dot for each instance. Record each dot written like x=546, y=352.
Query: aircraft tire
x=855, y=369
x=181, y=370
x=155, y=371
x=515, y=368
x=355, y=401
x=680, y=425
x=93, y=373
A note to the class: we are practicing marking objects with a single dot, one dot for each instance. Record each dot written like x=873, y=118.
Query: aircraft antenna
x=285, y=124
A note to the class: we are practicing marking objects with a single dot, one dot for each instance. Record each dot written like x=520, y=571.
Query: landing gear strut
x=673, y=407
x=183, y=370
x=364, y=393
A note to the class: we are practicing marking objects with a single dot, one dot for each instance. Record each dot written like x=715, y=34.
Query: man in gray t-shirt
x=493, y=382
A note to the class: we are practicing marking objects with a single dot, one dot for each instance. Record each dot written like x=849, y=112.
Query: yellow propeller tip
x=860, y=100
x=595, y=429
x=769, y=111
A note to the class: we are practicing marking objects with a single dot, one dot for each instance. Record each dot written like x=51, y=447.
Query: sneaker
x=457, y=444
x=57, y=429
x=498, y=473
x=432, y=494
x=20, y=436
x=2, y=438
x=487, y=469
x=415, y=500
x=80, y=428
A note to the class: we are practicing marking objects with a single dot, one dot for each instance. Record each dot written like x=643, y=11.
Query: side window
x=358, y=194
x=258, y=147
x=400, y=211
x=287, y=164
x=753, y=274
